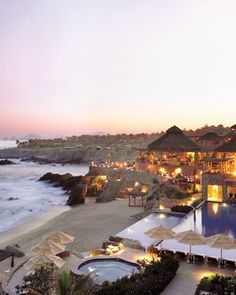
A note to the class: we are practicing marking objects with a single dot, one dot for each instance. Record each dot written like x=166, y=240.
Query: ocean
x=22, y=196
x=7, y=144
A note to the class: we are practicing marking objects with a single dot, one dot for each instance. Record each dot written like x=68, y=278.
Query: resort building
x=209, y=164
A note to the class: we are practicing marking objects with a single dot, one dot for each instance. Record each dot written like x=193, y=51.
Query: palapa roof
x=229, y=146
x=211, y=136
x=230, y=134
x=4, y=255
x=174, y=140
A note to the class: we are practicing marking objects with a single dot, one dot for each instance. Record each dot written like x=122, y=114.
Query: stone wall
x=129, y=175
x=213, y=179
x=169, y=203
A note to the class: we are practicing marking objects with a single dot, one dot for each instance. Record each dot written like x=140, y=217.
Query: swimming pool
x=137, y=230
x=209, y=219
x=109, y=269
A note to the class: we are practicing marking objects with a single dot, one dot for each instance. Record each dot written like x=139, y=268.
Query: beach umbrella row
x=47, y=250
x=220, y=241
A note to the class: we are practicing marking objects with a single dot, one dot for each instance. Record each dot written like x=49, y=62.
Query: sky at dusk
x=73, y=67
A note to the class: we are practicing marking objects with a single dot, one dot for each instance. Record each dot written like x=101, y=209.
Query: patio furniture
x=180, y=255
x=169, y=252
x=190, y=238
x=212, y=261
x=199, y=259
x=230, y=264
x=190, y=258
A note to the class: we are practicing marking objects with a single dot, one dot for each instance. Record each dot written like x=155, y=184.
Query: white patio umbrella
x=161, y=233
x=48, y=247
x=222, y=242
x=41, y=260
x=190, y=238
x=60, y=238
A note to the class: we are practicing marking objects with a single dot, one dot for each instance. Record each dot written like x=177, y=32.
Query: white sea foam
x=30, y=196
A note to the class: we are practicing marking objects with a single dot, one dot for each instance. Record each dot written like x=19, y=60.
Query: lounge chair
x=180, y=255
x=212, y=261
x=230, y=264
x=190, y=258
x=199, y=259
x=169, y=252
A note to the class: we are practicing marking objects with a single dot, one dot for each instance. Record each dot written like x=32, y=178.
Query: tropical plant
x=67, y=285
x=41, y=282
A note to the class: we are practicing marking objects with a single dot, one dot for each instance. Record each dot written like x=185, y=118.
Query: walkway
x=188, y=277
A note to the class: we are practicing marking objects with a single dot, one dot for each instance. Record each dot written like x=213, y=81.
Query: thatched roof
x=230, y=134
x=4, y=255
x=233, y=127
x=209, y=136
x=174, y=140
x=229, y=146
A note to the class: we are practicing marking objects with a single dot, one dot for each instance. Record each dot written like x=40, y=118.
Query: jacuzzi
x=108, y=269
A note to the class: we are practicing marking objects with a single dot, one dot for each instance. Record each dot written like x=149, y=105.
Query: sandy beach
x=91, y=224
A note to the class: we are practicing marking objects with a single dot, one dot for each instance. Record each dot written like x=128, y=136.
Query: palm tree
x=66, y=286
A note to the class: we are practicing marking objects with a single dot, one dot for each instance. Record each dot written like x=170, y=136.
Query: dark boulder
x=12, y=199
x=36, y=160
x=71, y=182
x=7, y=162
x=77, y=195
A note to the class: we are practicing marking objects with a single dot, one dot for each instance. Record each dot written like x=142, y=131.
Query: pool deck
x=188, y=277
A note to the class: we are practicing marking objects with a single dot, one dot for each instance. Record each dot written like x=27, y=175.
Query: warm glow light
x=162, y=170
x=178, y=171
x=136, y=184
x=161, y=207
x=215, y=208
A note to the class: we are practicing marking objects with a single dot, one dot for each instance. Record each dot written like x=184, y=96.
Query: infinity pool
x=208, y=220
x=109, y=269
x=211, y=219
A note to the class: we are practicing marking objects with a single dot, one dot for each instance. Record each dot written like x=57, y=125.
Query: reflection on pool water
x=109, y=269
x=211, y=219
x=208, y=220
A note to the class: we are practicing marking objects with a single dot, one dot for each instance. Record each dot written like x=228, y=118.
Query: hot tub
x=109, y=269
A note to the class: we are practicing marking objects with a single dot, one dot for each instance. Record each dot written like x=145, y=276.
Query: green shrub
x=41, y=282
x=152, y=281
x=215, y=284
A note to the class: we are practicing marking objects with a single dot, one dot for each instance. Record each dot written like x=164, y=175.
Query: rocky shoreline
x=72, y=155
x=78, y=187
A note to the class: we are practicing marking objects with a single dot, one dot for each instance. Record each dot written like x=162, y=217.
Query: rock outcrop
x=78, y=187
x=7, y=162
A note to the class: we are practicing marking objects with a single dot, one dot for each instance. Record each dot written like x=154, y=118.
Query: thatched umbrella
x=222, y=242
x=190, y=238
x=60, y=238
x=48, y=247
x=38, y=261
x=161, y=233
x=174, y=140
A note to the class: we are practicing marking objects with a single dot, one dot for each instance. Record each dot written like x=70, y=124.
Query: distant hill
x=31, y=136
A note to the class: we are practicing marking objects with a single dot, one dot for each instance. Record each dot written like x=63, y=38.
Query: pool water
x=211, y=219
x=208, y=220
x=109, y=269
